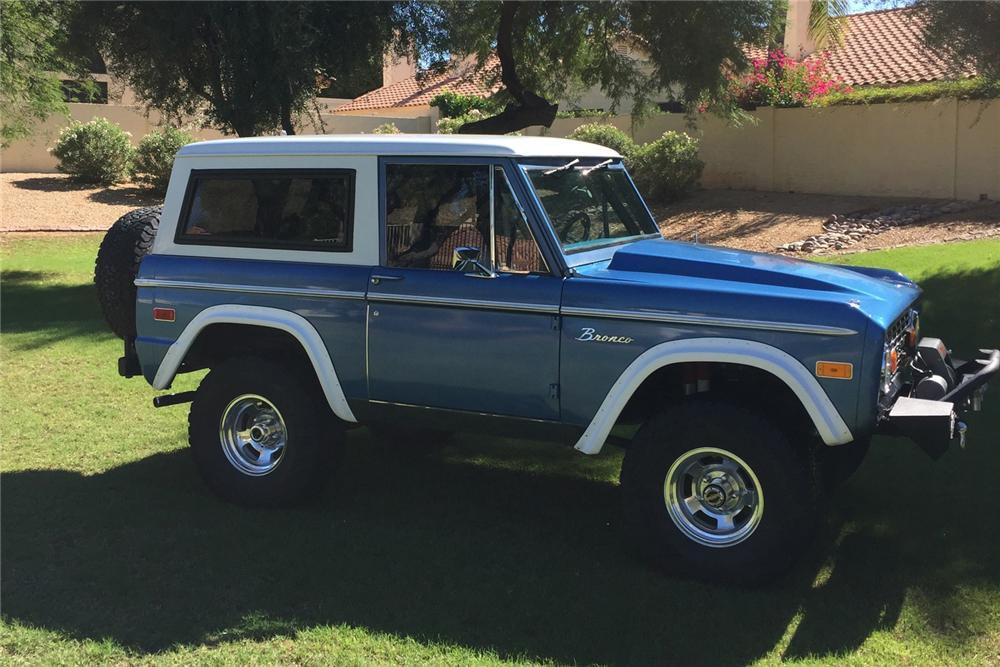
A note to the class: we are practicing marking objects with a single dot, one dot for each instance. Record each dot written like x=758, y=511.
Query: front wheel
x=262, y=435
x=715, y=491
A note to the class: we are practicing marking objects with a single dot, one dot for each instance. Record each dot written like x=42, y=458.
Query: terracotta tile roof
x=884, y=48
x=881, y=48
x=418, y=90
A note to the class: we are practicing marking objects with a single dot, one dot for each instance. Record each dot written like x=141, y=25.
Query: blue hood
x=881, y=294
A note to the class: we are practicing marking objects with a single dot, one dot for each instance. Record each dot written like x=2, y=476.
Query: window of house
x=432, y=210
x=294, y=210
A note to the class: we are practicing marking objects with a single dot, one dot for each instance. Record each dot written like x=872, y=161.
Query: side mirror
x=465, y=259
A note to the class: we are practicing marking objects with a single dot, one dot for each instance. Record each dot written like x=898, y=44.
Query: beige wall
x=947, y=148
x=32, y=155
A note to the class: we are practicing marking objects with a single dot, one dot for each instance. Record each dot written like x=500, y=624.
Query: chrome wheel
x=253, y=435
x=713, y=497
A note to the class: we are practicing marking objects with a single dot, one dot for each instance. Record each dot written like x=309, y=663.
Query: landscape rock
x=842, y=230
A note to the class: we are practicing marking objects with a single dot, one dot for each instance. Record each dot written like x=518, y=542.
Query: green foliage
x=966, y=32
x=30, y=90
x=96, y=152
x=605, y=135
x=562, y=49
x=450, y=124
x=386, y=128
x=247, y=67
x=582, y=113
x=966, y=89
x=668, y=168
x=154, y=158
x=452, y=105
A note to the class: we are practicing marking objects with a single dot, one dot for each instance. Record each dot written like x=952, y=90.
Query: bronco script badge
x=587, y=334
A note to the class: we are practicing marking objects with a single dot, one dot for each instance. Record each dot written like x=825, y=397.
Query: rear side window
x=284, y=210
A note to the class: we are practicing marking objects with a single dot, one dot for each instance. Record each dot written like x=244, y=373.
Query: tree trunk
x=286, y=120
x=528, y=108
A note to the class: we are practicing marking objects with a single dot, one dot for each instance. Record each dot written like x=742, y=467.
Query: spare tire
x=126, y=243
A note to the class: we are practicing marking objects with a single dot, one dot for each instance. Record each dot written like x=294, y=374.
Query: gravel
x=841, y=232
x=52, y=202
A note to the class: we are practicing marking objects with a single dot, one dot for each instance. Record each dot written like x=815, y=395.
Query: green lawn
x=490, y=551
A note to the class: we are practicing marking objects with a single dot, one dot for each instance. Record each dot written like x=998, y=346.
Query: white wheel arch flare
x=285, y=320
x=782, y=365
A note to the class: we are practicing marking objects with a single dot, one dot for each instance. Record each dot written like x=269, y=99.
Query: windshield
x=591, y=206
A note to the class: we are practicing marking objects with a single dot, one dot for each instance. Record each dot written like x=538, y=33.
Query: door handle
x=378, y=278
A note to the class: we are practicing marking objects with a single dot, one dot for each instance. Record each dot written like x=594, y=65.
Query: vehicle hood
x=881, y=293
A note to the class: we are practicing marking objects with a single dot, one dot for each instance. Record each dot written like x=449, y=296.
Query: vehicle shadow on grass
x=521, y=564
x=51, y=311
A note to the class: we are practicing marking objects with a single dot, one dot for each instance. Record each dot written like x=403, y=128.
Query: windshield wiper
x=599, y=165
x=568, y=165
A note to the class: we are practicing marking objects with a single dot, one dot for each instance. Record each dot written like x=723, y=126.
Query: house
x=880, y=48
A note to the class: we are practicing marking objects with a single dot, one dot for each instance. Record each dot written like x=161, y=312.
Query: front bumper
x=930, y=417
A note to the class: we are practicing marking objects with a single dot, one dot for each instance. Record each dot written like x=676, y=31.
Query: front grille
x=895, y=335
x=897, y=338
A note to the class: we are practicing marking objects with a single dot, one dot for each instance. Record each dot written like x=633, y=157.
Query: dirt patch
x=53, y=202
x=763, y=221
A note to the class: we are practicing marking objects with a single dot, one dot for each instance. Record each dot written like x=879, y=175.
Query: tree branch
x=528, y=108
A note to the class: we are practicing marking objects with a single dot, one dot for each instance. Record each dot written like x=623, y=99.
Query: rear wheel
x=715, y=491
x=261, y=435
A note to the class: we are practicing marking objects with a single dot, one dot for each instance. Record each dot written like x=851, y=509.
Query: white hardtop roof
x=467, y=145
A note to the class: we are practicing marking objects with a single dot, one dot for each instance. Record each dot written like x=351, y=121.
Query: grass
x=977, y=88
x=488, y=552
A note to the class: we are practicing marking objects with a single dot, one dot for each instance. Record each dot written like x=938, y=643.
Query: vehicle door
x=463, y=311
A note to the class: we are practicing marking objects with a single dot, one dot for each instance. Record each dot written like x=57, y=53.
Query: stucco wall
x=947, y=148
x=32, y=155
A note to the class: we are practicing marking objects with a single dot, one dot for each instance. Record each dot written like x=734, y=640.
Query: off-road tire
x=314, y=434
x=124, y=245
x=787, y=475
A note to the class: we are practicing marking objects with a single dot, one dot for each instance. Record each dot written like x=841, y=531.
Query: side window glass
x=271, y=210
x=433, y=209
x=516, y=250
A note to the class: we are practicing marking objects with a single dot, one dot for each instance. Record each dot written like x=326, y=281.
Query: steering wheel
x=576, y=228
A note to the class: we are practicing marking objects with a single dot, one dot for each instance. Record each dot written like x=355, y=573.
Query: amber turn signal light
x=837, y=370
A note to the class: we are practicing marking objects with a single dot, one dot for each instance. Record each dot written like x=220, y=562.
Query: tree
x=248, y=66
x=30, y=62
x=547, y=51
x=966, y=32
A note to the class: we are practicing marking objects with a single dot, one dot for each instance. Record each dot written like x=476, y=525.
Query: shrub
x=454, y=105
x=605, y=135
x=95, y=152
x=668, y=168
x=155, y=156
x=450, y=124
x=780, y=81
x=583, y=113
x=386, y=128
x=965, y=89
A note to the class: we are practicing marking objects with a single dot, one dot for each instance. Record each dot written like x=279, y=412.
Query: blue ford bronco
x=423, y=285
